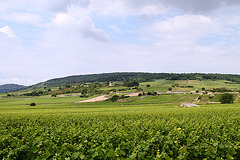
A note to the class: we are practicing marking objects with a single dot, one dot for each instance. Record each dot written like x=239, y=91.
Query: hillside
x=139, y=76
x=10, y=88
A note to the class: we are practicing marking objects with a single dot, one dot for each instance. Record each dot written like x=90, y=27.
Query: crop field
x=150, y=128
x=163, y=85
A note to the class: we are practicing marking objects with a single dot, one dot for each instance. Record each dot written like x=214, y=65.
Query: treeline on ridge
x=138, y=76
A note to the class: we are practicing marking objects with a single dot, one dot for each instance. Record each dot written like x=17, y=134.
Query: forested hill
x=10, y=88
x=139, y=76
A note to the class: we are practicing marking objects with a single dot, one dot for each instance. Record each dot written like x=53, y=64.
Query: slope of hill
x=10, y=88
x=139, y=76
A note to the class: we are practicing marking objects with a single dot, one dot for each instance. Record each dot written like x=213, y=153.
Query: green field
x=149, y=128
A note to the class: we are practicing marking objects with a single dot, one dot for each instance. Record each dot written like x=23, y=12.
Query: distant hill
x=10, y=88
x=138, y=76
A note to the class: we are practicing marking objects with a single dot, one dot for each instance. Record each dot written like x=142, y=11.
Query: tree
x=149, y=93
x=68, y=86
x=226, y=98
x=54, y=95
x=132, y=84
x=33, y=104
x=114, y=98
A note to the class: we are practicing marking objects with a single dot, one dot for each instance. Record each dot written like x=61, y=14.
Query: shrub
x=226, y=98
x=149, y=93
x=68, y=86
x=114, y=98
x=132, y=84
x=54, y=95
x=154, y=93
x=221, y=90
x=33, y=104
x=114, y=90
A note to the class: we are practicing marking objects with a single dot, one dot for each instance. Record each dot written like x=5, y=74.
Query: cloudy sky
x=45, y=39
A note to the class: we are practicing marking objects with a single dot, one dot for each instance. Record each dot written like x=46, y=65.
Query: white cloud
x=183, y=28
x=3, y=6
x=200, y=6
x=7, y=31
x=30, y=18
x=67, y=37
x=63, y=5
x=127, y=7
x=81, y=26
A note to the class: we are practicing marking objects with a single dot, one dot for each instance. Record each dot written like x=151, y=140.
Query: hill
x=139, y=76
x=10, y=88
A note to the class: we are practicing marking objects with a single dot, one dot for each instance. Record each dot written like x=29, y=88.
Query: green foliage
x=221, y=90
x=149, y=127
x=152, y=93
x=33, y=104
x=34, y=93
x=54, y=95
x=84, y=90
x=113, y=90
x=104, y=131
x=149, y=93
x=84, y=95
x=68, y=86
x=226, y=98
x=132, y=84
x=114, y=98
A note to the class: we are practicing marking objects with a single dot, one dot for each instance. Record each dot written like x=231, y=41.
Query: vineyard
x=148, y=126
x=109, y=130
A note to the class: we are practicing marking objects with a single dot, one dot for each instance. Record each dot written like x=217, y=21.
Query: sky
x=42, y=39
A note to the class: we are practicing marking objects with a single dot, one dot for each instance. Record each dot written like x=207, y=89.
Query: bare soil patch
x=96, y=99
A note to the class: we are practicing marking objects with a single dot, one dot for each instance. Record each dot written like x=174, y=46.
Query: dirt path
x=96, y=99
x=68, y=95
x=134, y=94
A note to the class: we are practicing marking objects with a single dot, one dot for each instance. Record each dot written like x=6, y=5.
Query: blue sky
x=40, y=40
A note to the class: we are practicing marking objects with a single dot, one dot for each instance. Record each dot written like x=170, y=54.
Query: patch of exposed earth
x=96, y=99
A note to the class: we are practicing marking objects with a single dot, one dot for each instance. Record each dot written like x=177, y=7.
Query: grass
x=164, y=99
x=66, y=105
x=163, y=85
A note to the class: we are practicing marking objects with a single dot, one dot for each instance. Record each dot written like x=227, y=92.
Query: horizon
x=41, y=40
x=109, y=73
